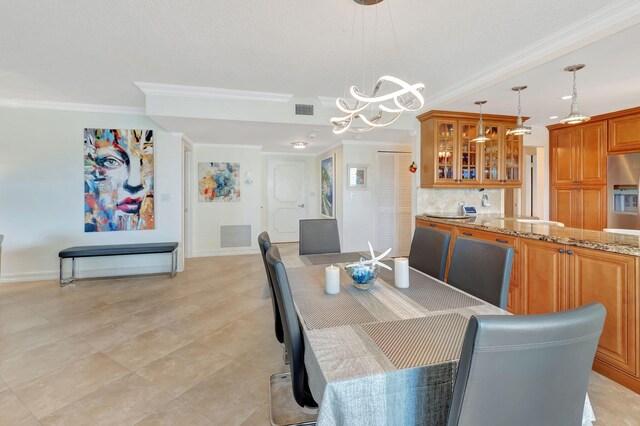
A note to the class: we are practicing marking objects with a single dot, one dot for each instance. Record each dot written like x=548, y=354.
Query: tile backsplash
x=447, y=200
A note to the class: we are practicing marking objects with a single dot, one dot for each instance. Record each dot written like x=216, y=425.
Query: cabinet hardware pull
x=502, y=241
x=467, y=234
x=569, y=252
x=560, y=250
x=433, y=225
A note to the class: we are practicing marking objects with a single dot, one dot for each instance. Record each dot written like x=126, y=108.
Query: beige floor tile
x=123, y=402
x=173, y=414
x=167, y=312
x=259, y=417
x=231, y=395
x=30, y=338
x=182, y=369
x=13, y=412
x=147, y=347
x=66, y=385
x=107, y=336
x=613, y=405
x=15, y=317
x=27, y=366
x=78, y=323
x=3, y=387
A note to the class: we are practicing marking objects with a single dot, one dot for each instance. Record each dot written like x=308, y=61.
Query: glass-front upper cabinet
x=446, y=151
x=512, y=157
x=469, y=154
x=492, y=154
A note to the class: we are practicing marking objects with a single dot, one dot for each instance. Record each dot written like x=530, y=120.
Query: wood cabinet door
x=446, y=152
x=513, y=159
x=591, y=153
x=492, y=155
x=468, y=155
x=590, y=208
x=624, y=134
x=562, y=156
x=563, y=205
x=608, y=278
x=543, y=280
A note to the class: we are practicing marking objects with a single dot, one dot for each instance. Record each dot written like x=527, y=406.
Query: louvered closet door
x=393, y=219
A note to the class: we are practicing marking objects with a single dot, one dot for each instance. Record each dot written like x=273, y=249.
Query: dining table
x=385, y=355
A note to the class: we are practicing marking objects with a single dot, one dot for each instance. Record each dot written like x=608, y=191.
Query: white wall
x=539, y=137
x=42, y=194
x=207, y=217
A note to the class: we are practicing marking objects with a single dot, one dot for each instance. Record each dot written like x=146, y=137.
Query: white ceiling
x=274, y=137
x=92, y=52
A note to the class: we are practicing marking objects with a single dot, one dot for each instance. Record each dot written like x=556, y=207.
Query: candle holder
x=363, y=276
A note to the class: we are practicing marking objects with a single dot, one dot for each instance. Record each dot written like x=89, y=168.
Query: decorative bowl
x=363, y=276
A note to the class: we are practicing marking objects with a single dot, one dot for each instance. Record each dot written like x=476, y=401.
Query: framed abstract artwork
x=218, y=182
x=327, y=187
x=357, y=176
x=118, y=180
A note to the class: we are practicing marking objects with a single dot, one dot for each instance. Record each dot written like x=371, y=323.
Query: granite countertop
x=597, y=240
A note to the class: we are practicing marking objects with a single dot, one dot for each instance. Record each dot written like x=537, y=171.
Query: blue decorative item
x=363, y=276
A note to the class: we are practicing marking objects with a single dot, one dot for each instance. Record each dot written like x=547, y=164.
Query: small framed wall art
x=357, y=176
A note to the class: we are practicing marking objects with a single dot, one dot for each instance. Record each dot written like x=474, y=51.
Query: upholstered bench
x=115, y=250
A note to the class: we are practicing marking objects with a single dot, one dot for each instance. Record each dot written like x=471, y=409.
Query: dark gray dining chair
x=295, y=348
x=318, y=236
x=264, y=242
x=482, y=269
x=429, y=250
x=526, y=369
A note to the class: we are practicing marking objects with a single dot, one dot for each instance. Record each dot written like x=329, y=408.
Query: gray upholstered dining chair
x=295, y=349
x=264, y=242
x=482, y=269
x=319, y=236
x=429, y=250
x=526, y=369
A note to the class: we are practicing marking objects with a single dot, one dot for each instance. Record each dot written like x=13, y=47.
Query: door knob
x=301, y=205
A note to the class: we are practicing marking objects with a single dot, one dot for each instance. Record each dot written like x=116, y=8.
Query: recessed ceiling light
x=566, y=98
x=299, y=145
x=553, y=117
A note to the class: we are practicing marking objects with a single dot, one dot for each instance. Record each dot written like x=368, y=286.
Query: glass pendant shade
x=480, y=136
x=575, y=117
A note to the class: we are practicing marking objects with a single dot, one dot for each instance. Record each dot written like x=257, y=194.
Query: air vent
x=235, y=236
x=302, y=109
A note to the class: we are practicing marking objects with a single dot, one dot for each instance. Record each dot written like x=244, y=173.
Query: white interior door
x=393, y=221
x=286, y=198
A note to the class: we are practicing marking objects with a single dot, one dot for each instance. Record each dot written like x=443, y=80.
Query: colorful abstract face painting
x=327, y=187
x=118, y=180
x=218, y=182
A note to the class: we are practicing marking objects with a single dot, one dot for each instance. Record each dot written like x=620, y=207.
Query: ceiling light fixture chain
x=391, y=96
x=480, y=136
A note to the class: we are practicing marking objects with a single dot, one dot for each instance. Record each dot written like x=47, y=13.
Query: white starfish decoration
x=374, y=260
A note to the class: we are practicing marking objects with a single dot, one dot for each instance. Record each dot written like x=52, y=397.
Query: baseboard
x=226, y=252
x=87, y=273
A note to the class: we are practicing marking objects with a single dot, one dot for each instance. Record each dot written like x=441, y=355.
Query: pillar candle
x=401, y=272
x=332, y=279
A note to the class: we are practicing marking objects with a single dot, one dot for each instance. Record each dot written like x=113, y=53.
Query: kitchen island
x=556, y=268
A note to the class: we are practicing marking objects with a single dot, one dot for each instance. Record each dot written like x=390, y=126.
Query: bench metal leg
x=64, y=282
x=174, y=263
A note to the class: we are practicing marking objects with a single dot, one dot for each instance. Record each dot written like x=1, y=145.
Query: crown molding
x=227, y=145
x=327, y=101
x=353, y=142
x=70, y=106
x=202, y=92
x=613, y=18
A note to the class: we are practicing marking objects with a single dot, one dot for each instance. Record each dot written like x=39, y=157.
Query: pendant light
x=575, y=117
x=520, y=128
x=480, y=136
x=390, y=96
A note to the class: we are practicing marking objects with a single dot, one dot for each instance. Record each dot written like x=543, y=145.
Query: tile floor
x=194, y=350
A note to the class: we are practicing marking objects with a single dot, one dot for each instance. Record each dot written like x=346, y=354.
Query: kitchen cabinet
x=449, y=157
x=624, y=134
x=578, y=166
x=579, y=154
x=608, y=278
x=577, y=206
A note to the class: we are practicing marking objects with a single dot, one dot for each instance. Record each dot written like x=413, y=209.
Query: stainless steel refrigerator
x=623, y=185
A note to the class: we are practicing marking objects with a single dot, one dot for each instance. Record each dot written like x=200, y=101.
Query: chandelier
x=480, y=135
x=390, y=97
